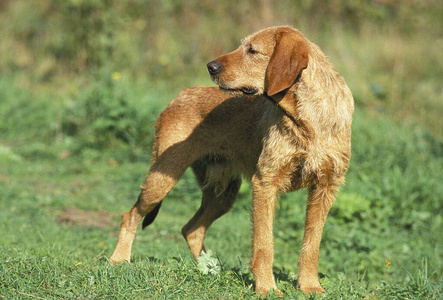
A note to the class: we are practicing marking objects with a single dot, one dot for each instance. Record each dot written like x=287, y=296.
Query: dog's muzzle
x=214, y=68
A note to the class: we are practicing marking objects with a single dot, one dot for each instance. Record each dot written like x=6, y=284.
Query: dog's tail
x=150, y=217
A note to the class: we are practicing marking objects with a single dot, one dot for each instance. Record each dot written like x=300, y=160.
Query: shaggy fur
x=281, y=117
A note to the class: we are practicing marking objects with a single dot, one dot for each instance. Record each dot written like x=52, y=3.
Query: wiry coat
x=281, y=118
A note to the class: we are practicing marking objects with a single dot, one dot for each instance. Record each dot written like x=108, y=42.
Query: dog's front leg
x=320, y=200
x=264, y=198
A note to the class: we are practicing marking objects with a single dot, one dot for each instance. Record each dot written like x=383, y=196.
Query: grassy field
x=76, y=118
x=60, y=207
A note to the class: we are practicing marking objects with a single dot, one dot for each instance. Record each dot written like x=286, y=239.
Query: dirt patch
x=88, y=218
x=5, y=178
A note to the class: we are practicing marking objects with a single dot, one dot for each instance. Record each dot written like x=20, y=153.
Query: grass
x=381, y=240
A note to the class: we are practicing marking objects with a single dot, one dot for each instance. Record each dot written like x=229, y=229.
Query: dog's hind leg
x=162, y=177
x=320, y=200
x=155, y=188
x=213, y=206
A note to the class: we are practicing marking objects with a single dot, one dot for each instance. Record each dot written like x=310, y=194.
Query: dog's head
x=269, y=61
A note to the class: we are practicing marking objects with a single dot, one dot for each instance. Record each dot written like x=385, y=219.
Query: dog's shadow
x=283, y=275
x=246, y=277
x=284, y=278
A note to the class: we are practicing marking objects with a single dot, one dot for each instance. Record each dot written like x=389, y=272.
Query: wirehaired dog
x=281, y=117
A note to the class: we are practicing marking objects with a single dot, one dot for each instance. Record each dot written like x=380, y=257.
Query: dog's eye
x=252, y=50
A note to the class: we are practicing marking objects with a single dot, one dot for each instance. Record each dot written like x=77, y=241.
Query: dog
x=281, y=117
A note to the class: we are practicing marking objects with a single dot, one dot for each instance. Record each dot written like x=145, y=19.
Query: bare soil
x=87, y=218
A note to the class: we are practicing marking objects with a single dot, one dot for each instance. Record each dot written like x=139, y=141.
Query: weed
x=208, y=264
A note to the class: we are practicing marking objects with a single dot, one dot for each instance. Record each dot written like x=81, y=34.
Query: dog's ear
x=289, y=59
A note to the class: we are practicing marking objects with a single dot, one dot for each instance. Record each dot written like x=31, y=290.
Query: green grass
x=42, y=258
x=61, y=201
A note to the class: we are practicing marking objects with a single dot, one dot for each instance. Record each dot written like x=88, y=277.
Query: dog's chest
x=283, y=160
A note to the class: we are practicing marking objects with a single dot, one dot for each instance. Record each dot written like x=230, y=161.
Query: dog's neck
x=287, y=102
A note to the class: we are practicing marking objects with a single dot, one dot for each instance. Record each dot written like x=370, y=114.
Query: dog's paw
x=264, y=292
x=278, y=292
x=113, y=261
x=312, y=289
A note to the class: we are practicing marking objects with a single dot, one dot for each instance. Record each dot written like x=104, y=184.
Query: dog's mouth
x=245, y=90
x=249, y=91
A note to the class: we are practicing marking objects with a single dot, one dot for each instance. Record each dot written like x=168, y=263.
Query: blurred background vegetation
x=85, y=52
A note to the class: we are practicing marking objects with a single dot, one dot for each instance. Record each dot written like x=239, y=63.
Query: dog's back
x=209, y=124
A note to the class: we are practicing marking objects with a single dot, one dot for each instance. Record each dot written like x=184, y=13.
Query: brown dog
x=284, y=122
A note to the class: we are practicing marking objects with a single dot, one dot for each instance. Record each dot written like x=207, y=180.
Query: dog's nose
x=214, y=67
